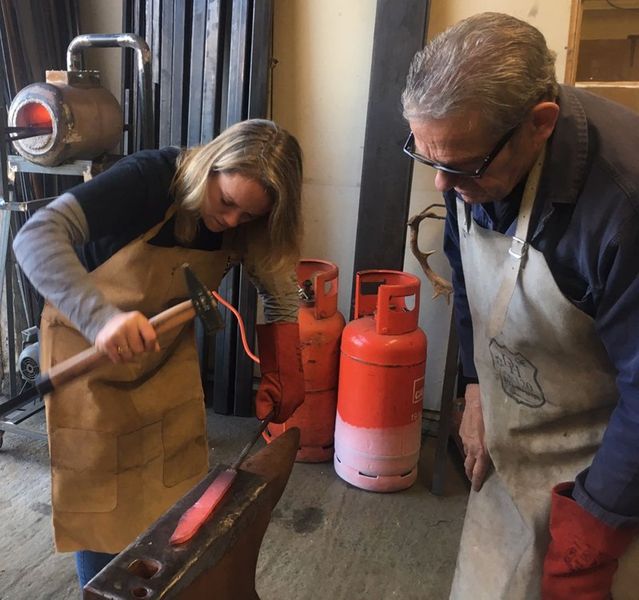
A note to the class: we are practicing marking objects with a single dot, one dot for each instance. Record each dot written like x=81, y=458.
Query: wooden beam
x=572, y=48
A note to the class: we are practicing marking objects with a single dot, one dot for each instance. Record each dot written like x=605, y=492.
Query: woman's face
x=233, y=199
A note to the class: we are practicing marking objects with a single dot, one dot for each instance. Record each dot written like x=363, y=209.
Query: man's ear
x=543, y=119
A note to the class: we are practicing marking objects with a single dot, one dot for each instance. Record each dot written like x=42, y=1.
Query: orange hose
x=240, y=322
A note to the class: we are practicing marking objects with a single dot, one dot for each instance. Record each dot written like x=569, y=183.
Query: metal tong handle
x=242, y=456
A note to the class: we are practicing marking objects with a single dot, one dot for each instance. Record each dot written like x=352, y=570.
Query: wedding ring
x=119, y=349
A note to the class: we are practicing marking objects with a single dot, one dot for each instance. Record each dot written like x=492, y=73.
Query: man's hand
x=471, y=432
x=125, y=335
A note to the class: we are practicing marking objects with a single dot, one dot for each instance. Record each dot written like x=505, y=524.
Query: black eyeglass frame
x=477, y=173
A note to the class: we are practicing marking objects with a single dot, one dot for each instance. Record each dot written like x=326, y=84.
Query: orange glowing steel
x=35, y=114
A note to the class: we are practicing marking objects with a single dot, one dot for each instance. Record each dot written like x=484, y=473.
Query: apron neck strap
x=518, y=249
x=520, y=239
x=151, y=233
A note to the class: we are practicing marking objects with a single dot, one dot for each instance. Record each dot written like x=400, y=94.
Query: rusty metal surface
x=219, y=562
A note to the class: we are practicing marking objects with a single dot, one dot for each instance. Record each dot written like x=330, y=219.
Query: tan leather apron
x=547, y=391
x=127, y=441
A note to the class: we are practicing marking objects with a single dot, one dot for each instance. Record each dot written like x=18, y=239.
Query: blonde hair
x=260, y=150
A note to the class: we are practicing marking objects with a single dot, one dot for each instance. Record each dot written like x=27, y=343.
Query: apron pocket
x=184, y=440
x=83, y=470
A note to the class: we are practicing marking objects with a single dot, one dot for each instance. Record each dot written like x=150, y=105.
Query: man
x=541, y=184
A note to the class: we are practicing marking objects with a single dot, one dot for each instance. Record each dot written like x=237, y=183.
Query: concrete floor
x=327, y=539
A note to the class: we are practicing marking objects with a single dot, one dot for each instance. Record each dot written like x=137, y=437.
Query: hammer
x=201, y=304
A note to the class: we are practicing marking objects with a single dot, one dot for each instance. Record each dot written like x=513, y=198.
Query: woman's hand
x=471, y=432
x=126, y=335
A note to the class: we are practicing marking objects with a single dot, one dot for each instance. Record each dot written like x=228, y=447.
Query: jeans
x=90, y=563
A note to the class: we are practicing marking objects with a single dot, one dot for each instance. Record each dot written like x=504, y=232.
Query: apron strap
x=517, y=251
x=151, y=233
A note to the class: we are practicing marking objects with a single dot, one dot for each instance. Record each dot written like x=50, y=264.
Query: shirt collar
x=566, y=153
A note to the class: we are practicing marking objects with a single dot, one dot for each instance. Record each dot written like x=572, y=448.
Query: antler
x=440, y=285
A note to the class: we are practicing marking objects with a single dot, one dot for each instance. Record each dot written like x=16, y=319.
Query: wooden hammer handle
x=89, y=359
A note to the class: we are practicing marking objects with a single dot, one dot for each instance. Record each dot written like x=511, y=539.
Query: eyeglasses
x=409, y=148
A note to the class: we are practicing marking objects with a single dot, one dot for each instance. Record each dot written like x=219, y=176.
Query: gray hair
x=490, y=62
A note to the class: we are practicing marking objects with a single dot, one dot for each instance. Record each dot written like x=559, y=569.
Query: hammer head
x=203, y=302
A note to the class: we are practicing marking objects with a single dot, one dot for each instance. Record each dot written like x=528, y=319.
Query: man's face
x=461, y=142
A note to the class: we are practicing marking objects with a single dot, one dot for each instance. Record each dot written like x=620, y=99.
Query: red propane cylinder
x=380, y=394
x=321, y=326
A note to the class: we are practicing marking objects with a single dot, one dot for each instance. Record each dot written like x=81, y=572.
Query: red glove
x=282, y=386
x=582, y=556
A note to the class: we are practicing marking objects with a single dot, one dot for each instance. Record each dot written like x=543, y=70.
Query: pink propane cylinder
x=380, y=392
x=321, y=326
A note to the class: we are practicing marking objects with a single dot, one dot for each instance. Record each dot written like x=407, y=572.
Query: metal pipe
x=143, y=60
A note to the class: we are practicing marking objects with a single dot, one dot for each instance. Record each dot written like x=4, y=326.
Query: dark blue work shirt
x=586, y=224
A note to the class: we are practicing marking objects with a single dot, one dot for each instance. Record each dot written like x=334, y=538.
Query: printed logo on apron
x=518, y=376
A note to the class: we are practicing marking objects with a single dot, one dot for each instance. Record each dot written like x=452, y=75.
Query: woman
x=128, y=440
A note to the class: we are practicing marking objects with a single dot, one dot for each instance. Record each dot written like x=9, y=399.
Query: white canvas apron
x=127, y=441
x=547, y=391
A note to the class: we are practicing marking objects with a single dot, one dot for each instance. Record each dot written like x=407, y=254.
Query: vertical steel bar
x=166, y=73
x=196, y=72
x=238, y=57
x=446, y=410
x=227, y=347
x=205, y=14
x=243, y=386
x=225, y=344
x=5, y=215
x=177, y=74
x=137, y=90
x=126, y=81
x=5, y=239
x=258, y=59
x=386, y=175
x=212, y=73
x=10, y=320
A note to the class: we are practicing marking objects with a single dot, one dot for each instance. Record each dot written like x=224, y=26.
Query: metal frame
x=8, y=199
x=10, y=418
x=11, y=165
x=34, y=37
x=143, y=58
